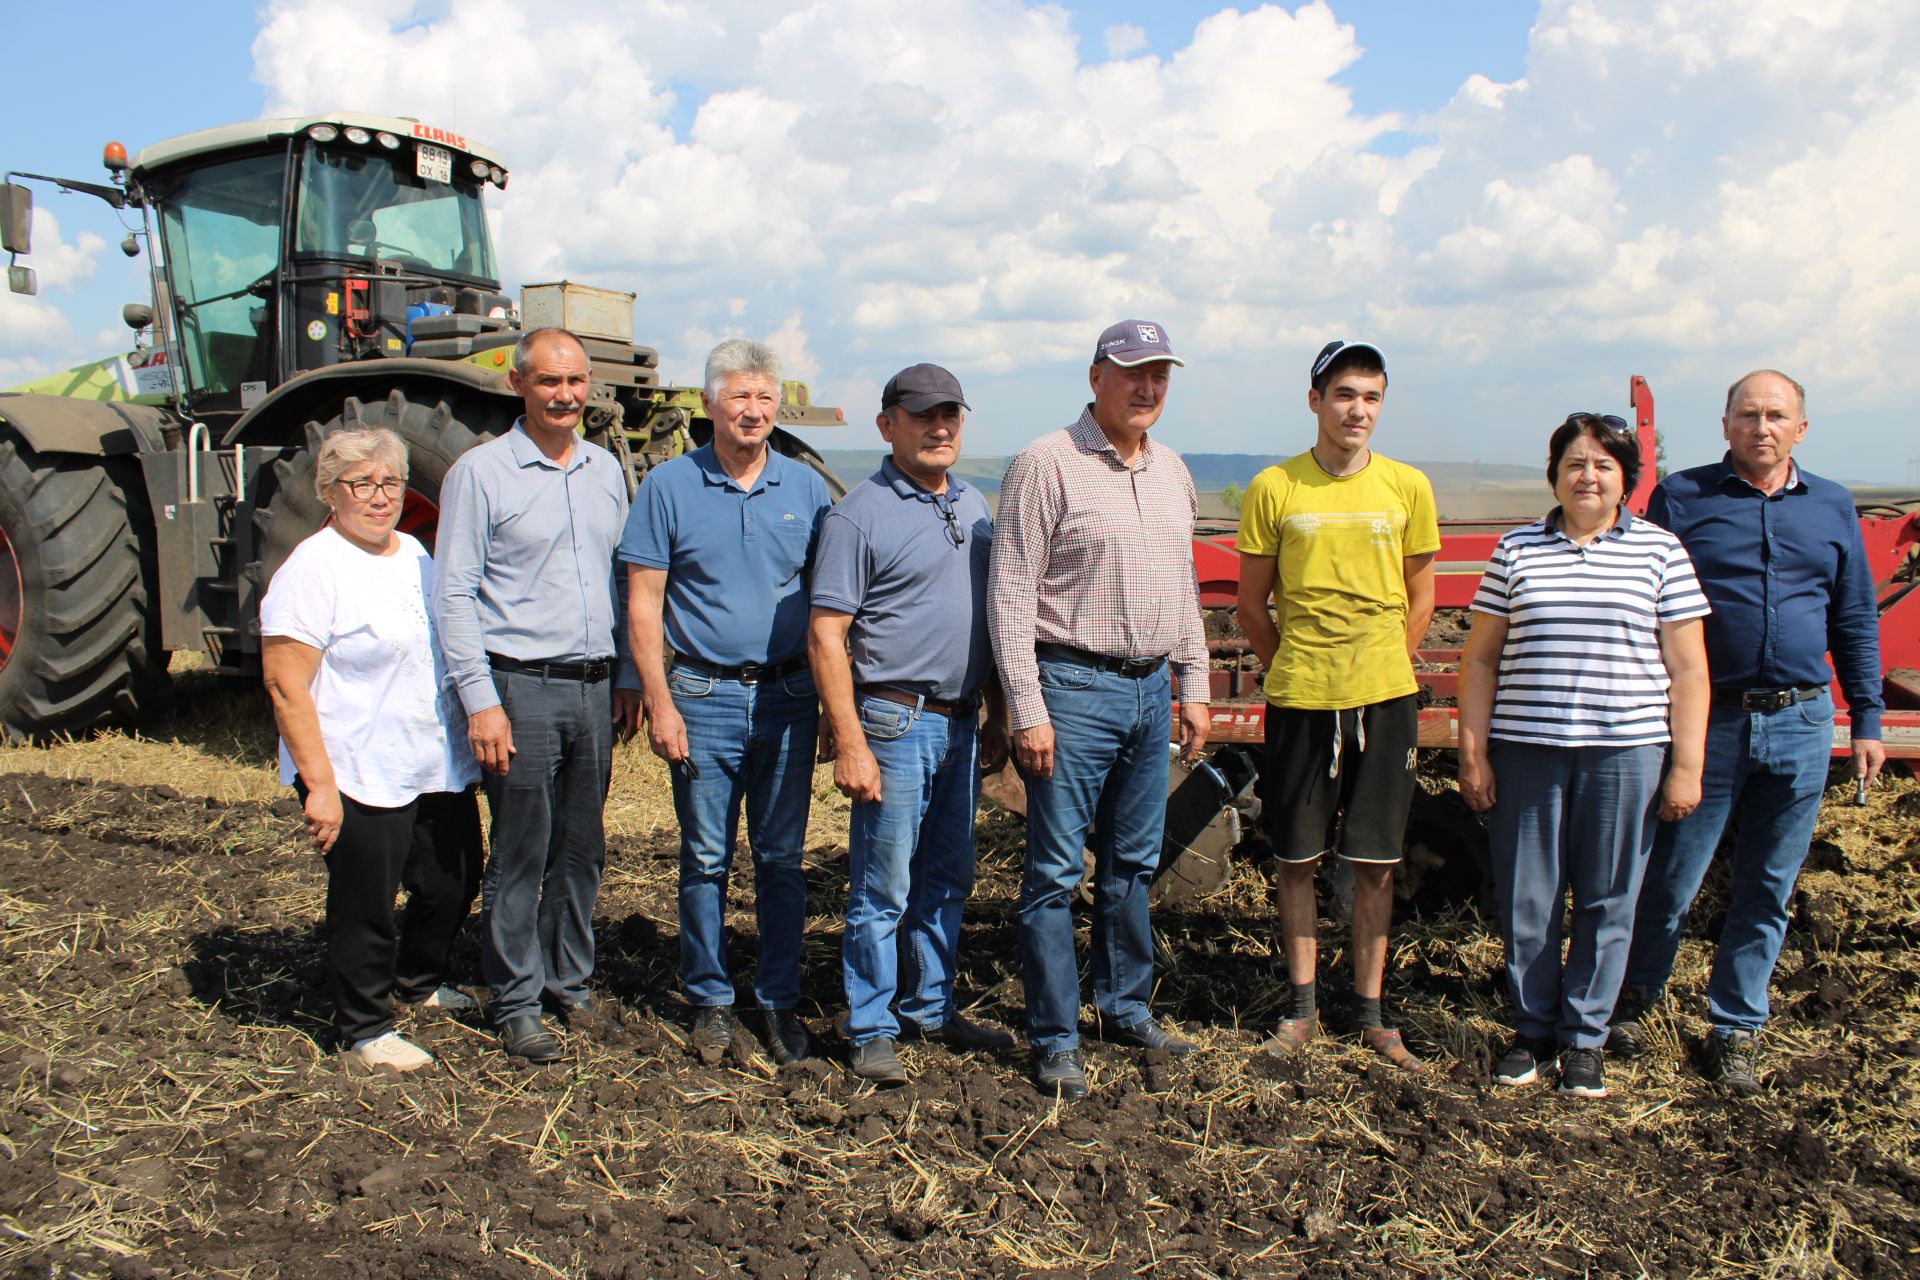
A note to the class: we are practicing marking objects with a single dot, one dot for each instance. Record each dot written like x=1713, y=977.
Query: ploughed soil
x=173, y=1104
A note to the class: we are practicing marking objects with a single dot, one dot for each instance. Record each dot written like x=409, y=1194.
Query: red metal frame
x=1891, y=535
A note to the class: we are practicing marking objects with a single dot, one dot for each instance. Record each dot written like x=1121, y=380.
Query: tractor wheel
x=77, y=640
x=434, y=437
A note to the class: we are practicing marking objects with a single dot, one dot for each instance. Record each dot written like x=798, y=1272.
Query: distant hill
x=1211, y=471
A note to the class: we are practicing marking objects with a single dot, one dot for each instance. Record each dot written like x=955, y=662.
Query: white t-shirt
x=392, y=727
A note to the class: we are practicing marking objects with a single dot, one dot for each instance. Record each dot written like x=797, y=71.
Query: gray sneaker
x=874, y=1061
x=1733, y=1062
x=1626, y=1030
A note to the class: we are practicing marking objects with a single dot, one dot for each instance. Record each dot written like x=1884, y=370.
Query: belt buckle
x=1138, y=666
x=752, y=673
x=1767, y=700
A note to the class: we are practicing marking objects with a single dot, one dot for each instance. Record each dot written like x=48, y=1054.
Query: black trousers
x=432, y=848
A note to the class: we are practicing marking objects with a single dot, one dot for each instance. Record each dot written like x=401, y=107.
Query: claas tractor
x=307, y=274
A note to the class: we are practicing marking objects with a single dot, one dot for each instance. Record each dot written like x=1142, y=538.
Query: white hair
x=343, y=449
x=740, y=355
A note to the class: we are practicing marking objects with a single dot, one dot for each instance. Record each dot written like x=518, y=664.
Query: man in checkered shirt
x=1094, y=612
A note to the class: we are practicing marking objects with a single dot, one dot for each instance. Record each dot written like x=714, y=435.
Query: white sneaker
x=449, y=1000
x=390, y=1053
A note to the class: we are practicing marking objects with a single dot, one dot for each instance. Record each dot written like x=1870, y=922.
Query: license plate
x=435, y=164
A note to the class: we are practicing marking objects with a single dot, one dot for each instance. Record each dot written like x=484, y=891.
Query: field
x=173, y=1105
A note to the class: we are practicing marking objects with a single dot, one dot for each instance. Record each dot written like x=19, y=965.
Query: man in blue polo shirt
x=902, y=574
x=1779, y=554
x=717, y=547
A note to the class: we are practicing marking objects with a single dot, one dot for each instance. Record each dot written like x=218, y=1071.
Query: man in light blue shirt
x=902, y=574
x=526, y=597
x=717, y=548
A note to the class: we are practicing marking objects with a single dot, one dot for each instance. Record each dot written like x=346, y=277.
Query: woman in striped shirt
x=1585, y=673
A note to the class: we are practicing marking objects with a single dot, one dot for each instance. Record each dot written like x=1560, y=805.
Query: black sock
x=1366, y=1011
x=1303, y=1000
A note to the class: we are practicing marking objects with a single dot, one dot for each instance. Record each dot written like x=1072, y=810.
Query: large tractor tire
x=78, y=645
x=434, y=435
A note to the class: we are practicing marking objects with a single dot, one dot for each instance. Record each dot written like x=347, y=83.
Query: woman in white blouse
x=374, y=746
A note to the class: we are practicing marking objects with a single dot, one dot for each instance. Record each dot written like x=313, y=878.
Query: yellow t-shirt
x=1340, y=591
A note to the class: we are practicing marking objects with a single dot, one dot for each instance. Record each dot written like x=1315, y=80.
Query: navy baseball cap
x=1133, y=342
x=1325, y=359
x=920, y=388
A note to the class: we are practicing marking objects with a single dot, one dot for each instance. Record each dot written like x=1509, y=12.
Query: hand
x=1476, y=782
x=1868, y=756
x=1679, y=794
x=857, y=773
x=667, y=732
x=995, y=747
x=626, y=713
x=491, y=737
x=1033, y=748
x=825, y=749
x=1196, y=721
x=324, y=816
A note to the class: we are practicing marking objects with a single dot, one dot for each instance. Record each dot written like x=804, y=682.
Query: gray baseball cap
x=1133, y=342
x=920, y=388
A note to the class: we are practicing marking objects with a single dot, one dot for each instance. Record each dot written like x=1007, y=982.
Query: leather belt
x=592, y=671
x=746, y=672
x=964, y=709
x=1132, y=668
x=1767, y=699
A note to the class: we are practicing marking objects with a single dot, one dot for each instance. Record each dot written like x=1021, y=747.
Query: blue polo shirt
x=736, y=559
x=914, y=581
x=1787, y=577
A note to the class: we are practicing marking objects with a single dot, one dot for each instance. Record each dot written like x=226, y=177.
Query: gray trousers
x=1580, y=819
x=547, y=846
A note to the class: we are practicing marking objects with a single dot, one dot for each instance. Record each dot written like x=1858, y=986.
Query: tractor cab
x=289, y=245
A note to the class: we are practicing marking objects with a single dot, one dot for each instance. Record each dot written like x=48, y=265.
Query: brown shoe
x=1291, y=1036
x=1386, y=1042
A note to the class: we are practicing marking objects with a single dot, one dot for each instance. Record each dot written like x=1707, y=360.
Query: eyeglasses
x=363, y=488
x=1610, y=422
x=944, y=505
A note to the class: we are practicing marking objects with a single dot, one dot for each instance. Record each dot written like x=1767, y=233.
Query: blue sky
x=1524, y=203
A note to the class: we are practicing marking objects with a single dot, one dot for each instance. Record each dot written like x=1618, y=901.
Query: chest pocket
x=788, y=535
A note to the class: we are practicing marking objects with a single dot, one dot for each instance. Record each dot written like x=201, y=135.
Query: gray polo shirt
x=523, y=561
x=919, y=602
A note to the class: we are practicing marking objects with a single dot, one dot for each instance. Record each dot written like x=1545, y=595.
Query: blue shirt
x=1787, y=577
x=735, y=558
x=888, y=556
x=523, y=561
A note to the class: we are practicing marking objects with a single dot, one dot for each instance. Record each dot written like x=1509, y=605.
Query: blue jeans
x=750, y=743
x=1108, y=792
x=548, y=846
x=909, y=869
x=1772, y=765
x=1579, y=819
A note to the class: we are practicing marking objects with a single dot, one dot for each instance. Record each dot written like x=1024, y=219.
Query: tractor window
x=222, y=229
x=367, y=204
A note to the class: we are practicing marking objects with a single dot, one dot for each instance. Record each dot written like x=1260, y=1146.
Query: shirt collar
x=1794, y=483
x=710, y=469
x=528, y=454
x=1621, y=524
x=906, y=488
x=1089, y=438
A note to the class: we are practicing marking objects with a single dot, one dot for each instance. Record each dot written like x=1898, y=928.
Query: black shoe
x=526, y=1037
x=1059, y=1075
x=1733, y=1062
x=1148, y=1034
x=786, y=1038
x=712, y=1032
x=1626, y=1030
x=960, y=1033
x=596, y=1018
x=1522, y=1061
x=1583, y=1072
x=874, y=1061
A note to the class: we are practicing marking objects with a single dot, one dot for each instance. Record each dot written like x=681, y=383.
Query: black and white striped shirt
x=1581, y=666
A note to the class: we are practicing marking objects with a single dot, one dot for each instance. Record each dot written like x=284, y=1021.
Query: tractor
x=307, y=274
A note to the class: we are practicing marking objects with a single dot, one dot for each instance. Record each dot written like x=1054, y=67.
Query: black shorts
x=1307, y=785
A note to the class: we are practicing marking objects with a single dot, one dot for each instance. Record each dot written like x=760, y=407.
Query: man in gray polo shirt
x=902, y=573
x=526, y=599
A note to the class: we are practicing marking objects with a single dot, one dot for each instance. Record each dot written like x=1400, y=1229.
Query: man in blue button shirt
x=717, y=548
x=527, y=601
x=1779, y=553
x=902, y=574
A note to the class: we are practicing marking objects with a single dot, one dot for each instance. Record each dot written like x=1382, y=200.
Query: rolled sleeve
x=460, y=563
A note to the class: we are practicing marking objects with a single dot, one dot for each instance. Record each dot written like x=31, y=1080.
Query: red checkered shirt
x=1091, y=552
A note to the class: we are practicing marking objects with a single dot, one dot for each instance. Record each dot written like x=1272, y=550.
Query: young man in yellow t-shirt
x=1342, y=541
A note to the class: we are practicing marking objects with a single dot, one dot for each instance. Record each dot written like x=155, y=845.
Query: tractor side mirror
x=361, y=231
x=136, y=315
x=23, y=280
x=16, y=219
